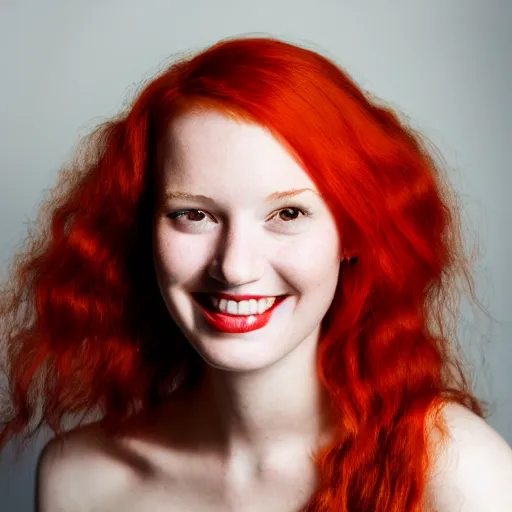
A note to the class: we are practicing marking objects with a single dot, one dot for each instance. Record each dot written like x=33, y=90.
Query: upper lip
x=228, y=296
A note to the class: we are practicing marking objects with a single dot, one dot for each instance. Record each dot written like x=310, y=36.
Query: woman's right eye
x=189, y=215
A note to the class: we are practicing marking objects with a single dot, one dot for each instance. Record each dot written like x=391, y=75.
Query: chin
x=238, y=354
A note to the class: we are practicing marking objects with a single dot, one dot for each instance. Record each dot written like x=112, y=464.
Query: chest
x=193, y=499
x=196, y=480
x=198, y=485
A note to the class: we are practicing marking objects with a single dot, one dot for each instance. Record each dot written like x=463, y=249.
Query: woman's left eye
x=287, y=214
x=290, y=213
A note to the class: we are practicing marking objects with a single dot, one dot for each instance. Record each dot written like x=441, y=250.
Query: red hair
x=83, y=316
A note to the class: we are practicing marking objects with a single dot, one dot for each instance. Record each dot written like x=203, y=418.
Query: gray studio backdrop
x=66, y=65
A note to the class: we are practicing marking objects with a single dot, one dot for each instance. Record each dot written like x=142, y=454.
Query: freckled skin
x=235, y=248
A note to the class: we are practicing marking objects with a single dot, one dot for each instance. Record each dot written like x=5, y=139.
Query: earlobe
x=351, y=259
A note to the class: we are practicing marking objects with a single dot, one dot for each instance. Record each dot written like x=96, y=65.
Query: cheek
x=176, y=261
x=312, y=259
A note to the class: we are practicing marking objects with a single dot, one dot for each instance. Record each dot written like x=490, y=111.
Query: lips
x=227, y=296
x=204, y=299
x=224, y=322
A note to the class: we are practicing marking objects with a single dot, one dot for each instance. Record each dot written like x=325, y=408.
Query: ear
x=350, y=257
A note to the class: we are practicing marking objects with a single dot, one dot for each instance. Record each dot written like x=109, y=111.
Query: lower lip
x=225, y=322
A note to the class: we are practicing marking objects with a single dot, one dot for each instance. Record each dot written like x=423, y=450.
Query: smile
x=237, y=316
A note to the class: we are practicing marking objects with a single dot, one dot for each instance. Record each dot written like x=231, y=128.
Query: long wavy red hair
x=83, y=318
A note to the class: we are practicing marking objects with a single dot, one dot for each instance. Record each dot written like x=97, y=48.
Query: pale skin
x=242, y=440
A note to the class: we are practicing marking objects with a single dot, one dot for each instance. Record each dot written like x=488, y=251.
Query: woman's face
x=236, y=216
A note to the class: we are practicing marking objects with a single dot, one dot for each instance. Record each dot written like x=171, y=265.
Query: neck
x=254, y=413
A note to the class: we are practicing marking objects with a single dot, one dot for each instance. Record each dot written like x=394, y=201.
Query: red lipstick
x=228, y=296
x=225, y=322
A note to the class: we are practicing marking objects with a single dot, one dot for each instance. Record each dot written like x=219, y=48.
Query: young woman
x=249, y=276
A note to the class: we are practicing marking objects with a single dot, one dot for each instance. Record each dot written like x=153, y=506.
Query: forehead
x=213, y=153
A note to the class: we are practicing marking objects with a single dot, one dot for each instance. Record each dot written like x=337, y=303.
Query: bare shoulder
x=81, y=470
x=474, y=472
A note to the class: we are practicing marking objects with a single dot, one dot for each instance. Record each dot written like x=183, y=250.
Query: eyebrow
x=177, y=194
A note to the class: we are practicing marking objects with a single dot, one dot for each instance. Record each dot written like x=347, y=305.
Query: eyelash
x=303, y=211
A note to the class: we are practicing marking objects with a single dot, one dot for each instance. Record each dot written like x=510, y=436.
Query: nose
x=237, y=260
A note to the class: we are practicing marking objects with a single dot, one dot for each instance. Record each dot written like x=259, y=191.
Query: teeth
x=244, y=307
x=232, y=307
x=253, y=306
